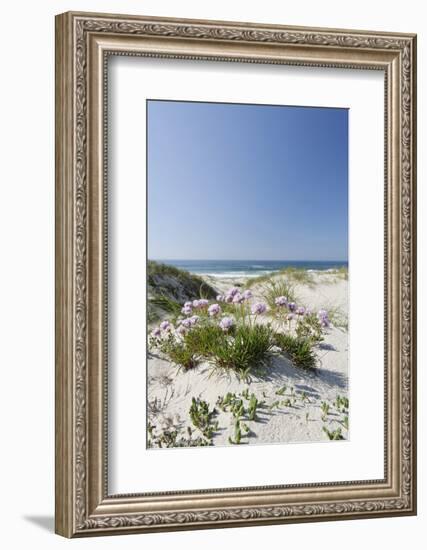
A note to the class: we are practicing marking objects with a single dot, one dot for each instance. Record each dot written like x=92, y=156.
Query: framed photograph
x=235, y=274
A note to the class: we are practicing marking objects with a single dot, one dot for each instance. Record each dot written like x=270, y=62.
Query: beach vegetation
x=202, y=418
x=299, y=350
x=168, y=286
x=333, y=435
x=298, y=275
x=275, y=289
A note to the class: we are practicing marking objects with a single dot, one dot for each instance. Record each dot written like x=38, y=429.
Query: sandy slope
x=297, y=423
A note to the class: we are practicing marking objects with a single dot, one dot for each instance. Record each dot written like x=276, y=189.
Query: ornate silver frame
x=83, y=42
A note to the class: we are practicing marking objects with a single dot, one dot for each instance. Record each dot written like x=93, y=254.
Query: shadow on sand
x=282, y=372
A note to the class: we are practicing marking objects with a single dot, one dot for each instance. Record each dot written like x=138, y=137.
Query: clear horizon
x=228, y=182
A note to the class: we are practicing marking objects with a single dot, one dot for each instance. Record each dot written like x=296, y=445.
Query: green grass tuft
x=299, y=350
x=275, y=288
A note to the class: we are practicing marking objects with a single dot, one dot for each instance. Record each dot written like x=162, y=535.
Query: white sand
x=300, y=422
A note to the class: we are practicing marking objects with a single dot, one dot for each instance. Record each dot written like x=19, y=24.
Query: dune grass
x=290, y=275
x=244, y=348
x=275, y=288
x=168, y=286
x=299, y=350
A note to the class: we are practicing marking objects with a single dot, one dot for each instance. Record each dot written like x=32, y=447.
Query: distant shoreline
x=237, y=269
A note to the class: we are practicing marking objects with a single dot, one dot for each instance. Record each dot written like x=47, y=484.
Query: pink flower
x=181, y=330
x=187, y=310
x=165, y=325
x=214, y=309
x=232, y=291
x=226, y=323
x=300, y=310
x=238, y=298
x=155, y=332
x=247, y=294
x=281, y=301
x=259, y=308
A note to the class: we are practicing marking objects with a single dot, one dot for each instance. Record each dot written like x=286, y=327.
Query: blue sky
x=237, y=182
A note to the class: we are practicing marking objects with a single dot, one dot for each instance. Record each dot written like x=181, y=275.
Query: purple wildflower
x=193, y=320
x=247, y=294
x=202, y=303
x=181, y=330
x=186, y=323
x=281, y=301
x=220, y=298
x=155, y=332
x=232, y=291
x=214, y=309
x=165, y=325
x=228, y=298
x=292, y=306
x=238, y=298
x=226, y=323
x=290, y=317
x=300, y=310
x=322, y=313
x=187, y=310
x=259, y=308
x=188, y=304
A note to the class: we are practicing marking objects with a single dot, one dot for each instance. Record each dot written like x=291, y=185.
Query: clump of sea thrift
x=247, y=294
x=187, y=310
x=300, y=310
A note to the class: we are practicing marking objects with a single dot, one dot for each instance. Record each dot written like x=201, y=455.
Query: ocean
x=248, y=268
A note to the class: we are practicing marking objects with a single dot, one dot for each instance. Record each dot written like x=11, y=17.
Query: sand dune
x=170, y=391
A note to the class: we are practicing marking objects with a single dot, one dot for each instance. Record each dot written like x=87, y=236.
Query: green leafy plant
x=237, y=433
x=345, y=422
x=333, y=435
x=252, y=408
x=202, y=417
x=325, y=408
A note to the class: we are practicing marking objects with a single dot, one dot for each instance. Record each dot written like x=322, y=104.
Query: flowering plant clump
x=228, y=332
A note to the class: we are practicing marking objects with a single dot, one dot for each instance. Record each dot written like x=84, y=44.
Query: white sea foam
x=232, y=274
